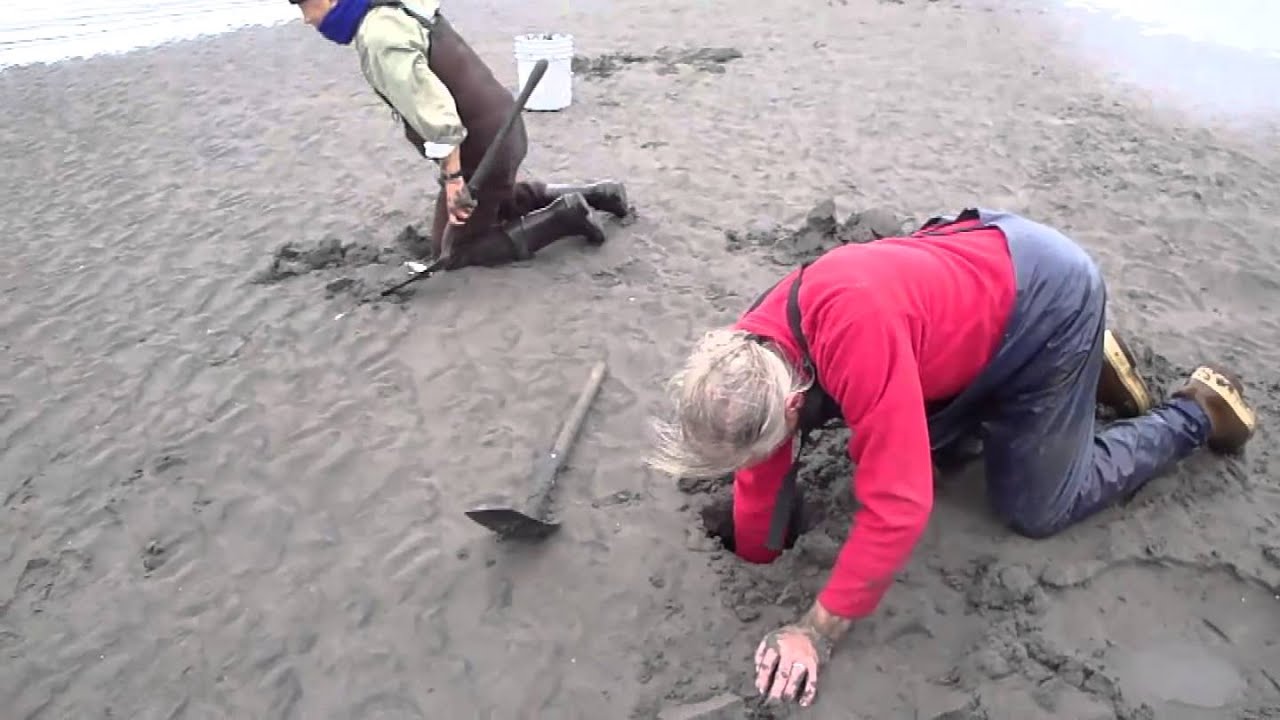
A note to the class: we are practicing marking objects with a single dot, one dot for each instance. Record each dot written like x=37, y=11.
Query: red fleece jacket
x=891, y=325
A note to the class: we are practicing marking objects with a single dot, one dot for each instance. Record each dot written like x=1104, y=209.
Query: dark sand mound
x=347, y=264
x=820, y=232
x=291, y=259
x=667, y=60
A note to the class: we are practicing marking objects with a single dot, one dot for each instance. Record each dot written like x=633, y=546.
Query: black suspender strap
x=787, y=504
x=793, y=321
x=933, y=225
x=426, y=21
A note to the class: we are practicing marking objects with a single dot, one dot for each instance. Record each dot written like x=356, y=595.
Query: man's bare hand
x=787, y=659
x=787, y=665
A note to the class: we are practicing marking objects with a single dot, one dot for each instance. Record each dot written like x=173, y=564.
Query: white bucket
x=555, y=91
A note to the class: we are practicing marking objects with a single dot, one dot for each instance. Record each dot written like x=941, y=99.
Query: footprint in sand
x=387, y=706
x=1188, y=642
x=44, y=581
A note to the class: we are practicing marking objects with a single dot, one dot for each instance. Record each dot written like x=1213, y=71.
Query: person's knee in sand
x=984, y=326
x=452, y=107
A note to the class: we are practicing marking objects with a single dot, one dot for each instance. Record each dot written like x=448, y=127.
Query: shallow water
x=1246, y=25
x=36, y=32
x=1217, y=57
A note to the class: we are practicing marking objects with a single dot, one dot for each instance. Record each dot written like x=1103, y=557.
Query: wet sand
x=1213, y=57
x=224, y=498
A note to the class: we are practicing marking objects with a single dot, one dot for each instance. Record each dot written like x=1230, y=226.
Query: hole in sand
x=717, y=521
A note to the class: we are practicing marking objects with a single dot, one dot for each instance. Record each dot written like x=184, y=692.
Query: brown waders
x=511, y=220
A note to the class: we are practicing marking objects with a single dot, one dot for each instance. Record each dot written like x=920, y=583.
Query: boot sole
x=1121, y=373
x=624, y=200
x=1227, y=388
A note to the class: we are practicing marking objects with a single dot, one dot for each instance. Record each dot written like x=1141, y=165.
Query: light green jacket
x=392, y=47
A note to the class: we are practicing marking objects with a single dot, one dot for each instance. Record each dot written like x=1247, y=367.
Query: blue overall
x=1047, y=465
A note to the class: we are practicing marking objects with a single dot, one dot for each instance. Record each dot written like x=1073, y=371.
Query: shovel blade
x=511, y=523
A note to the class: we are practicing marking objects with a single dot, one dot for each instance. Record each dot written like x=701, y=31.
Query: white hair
x=729, y=402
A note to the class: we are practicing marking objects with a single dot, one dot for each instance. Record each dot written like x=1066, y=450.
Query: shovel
x=483, y=168
x=532, y=523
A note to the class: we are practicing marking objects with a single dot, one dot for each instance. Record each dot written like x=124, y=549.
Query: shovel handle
x=485, y=166
x=548, y=467
x=572, y=424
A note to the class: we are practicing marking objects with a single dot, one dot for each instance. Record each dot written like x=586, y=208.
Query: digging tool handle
x=491, y=153
x=485, y=166
x=545, y=471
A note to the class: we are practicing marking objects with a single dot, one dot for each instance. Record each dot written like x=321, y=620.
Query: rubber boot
x=610, y=197
x=1120, y=387
x=519, y=239
x=1221, y=396
x=568, y=215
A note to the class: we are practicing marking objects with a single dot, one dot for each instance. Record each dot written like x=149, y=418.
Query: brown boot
x=1222, y=397
x=1120, y=387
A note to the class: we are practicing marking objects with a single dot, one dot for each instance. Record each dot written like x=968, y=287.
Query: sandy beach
x=228, y=498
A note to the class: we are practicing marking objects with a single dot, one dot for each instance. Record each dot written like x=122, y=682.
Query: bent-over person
x=984, y=327
x=452, y=107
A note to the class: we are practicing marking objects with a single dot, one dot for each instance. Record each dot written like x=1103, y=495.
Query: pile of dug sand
x=668, y=60
x=346, y=264
x=821, y=231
